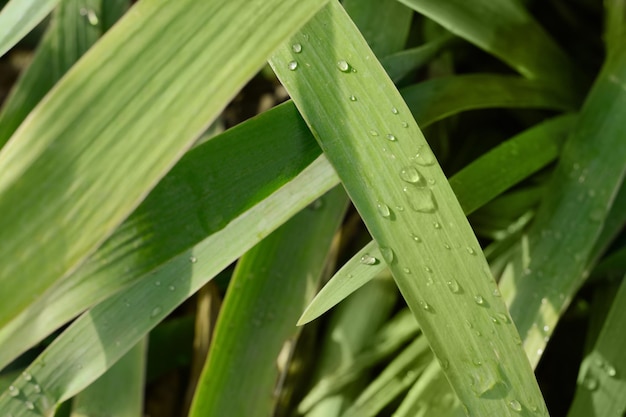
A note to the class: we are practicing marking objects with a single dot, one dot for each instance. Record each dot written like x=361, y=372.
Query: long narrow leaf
x=18, y=17
x=474, y=186
x=590, y=172
x=69, y=35
x=270, y=285
x=392, y=177
x=74, y=172
x=92, y=344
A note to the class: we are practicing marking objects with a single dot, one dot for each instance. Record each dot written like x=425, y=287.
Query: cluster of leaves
x=118, y=203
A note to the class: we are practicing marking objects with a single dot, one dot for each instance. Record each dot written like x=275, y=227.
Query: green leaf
x=71, y=154
x=505, y=29
x=269, y=288
x=384, y=163
x=439, y=98
x=601, y=387
x=401, y=63
x=183, y=200
x=19, y=17
x=492, y=173
x=97, y=339
x=68, y=37
x=119, y=392
x=591, y=169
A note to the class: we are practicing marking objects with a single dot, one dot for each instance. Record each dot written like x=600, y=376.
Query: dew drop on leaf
x=425, y=305
x=387, y=254
x=470, y=251
x=453, y=286
x=352, y=98
x=515, y=405
x=368, y=259
x=29, y=405
x=436, y=225
x=410, y=174
x=27, y=376
x=193, y=259
x=391, y=137
x=479, y=300
x=383, y=210
x=343, y=66
x=420, y=200
x=405, y=125
x=296, y=48
x=415, y=237
x=292, y=65
x=394, y=110
x=14, y=391
x=155, y=311
x=373, y=133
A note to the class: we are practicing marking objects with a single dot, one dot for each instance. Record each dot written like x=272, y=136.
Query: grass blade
x=601, y=387
x=119, y=392
x=379, y=152
x=474, y=186
x=19, y=17
x=70, y=156
x=270, y=286
x=590, y=172
x=69, y=35
x=180, y=202
x=91, y=345
x=505, y=29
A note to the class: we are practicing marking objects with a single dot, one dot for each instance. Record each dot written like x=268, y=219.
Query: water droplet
x=479, y=300
x=494, y=320
x=453, y=286
x=424, y=156
x=193, y=259
x=421, y=200
x=411, y=175
x=436, y=225
x=37, y=389
x=352, y=98
x=610, y=370
x=171, y=288
x=155, y=311
x=477, y=362
x=546, y=328
x=14, y=391
x=292, y=65
x=515, y=405
x=503, y=318
x=29, y=405
x=415, y=238
x=448, y=247
x=296, y=48
x=469, y=324
x=427, y=269
x=431, y=181
x=394, y=110
x=399, y=208
x=406, y=270
x=444, y=363
x=157, y=284
x=367, y=259
x=496, y=292
x=425, y=305
x=590, y=383
x=343, y=66
x=373, y=133
x=91, y=15
x=405, y=125
x=470, y=251
x=387, y=254
x=383, y=210
x=27, y=376
x=391, y=137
